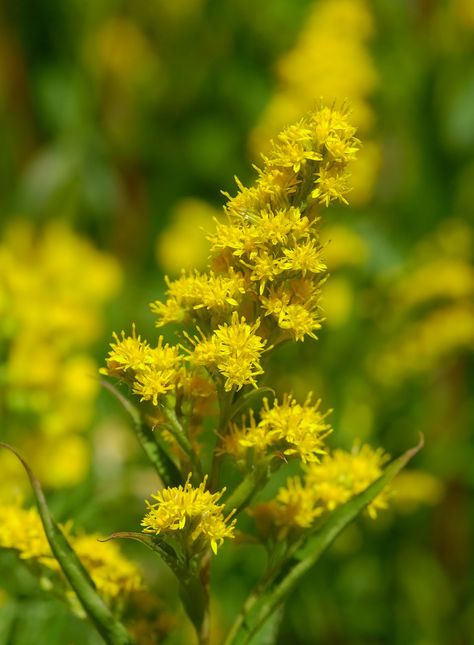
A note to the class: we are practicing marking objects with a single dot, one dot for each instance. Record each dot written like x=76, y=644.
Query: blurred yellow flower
x=330, y=60
x=413, y=488
x=22, y=531
x=341, y=475
x=53, y=287
x=183, y=244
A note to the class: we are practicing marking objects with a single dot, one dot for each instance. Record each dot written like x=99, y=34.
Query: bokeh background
x=120, y=124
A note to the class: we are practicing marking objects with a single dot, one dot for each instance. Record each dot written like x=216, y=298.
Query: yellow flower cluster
x=433, y=305
x=21, y=530
x=192, y=511
x=326, y=485
x=269, y=245
x=286, y=429
x=330, y=59
x=263, y=286
x=53, y=288
x=341, y=475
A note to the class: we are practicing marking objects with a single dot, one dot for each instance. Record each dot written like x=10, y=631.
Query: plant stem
x=182, y=439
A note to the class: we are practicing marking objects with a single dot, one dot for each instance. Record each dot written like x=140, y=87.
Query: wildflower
x=21, y=529
x=152, y=383
x=331, y=185
x=113, y=575
x=296, y=505
x=190, y=293
x=194, y=512
x=341, y=475
x=289, y=428
x=234, y=350
x=294, y=509
x=127, y=353
x=304, y=257
x=54, y=286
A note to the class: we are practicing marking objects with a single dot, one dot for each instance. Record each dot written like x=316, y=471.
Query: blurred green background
x=120, y=124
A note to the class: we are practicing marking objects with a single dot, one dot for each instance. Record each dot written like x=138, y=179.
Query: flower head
x=234, y=349
x=341, y=475
x=289, y=429
x=21, y=529
x=192, y=511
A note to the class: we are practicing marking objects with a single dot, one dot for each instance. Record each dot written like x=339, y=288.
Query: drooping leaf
x=111, y=630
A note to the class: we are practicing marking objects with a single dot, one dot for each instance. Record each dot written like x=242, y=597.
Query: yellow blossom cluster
x=268, y=247
x=21, y=530
x=262, y=288
x=194, y=512
x=53, y=288
x=433, y=302
x=341, y=475
x=326, y=484
x=263, y=284
x=331, y=59
x=152, y=371
x=286, y=429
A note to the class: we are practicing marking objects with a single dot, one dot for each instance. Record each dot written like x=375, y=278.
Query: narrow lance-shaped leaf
x=111, y=630
x=261, y=607
x=163, y=464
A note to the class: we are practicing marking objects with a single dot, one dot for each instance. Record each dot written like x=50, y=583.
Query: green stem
x=182, y=439
x=247, y=489
x=225, y=416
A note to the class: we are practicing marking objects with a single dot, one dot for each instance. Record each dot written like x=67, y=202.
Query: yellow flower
x=296, y=505
x=54, y=286
x=151, y=383
x=194, y=292
x=192, y=511
x=341, y=475
x=304, y=257
x=289, y=428
x=293, y=510
x=21, y=530
x=331, y=185
x=331, y=60
x=154, y=371
x=234, y=350
x=127, y=353
x=113, y=575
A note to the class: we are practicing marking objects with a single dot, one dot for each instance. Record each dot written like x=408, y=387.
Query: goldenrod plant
x=206, y=415
x=54, y=288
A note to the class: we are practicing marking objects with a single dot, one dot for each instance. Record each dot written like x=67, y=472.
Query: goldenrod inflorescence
x=114, y=576
x=262, y=288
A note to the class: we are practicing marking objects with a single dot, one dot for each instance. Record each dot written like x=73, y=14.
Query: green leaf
x=164, y=550
x=260, y=606
x=160, y=460
x=111, y=630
